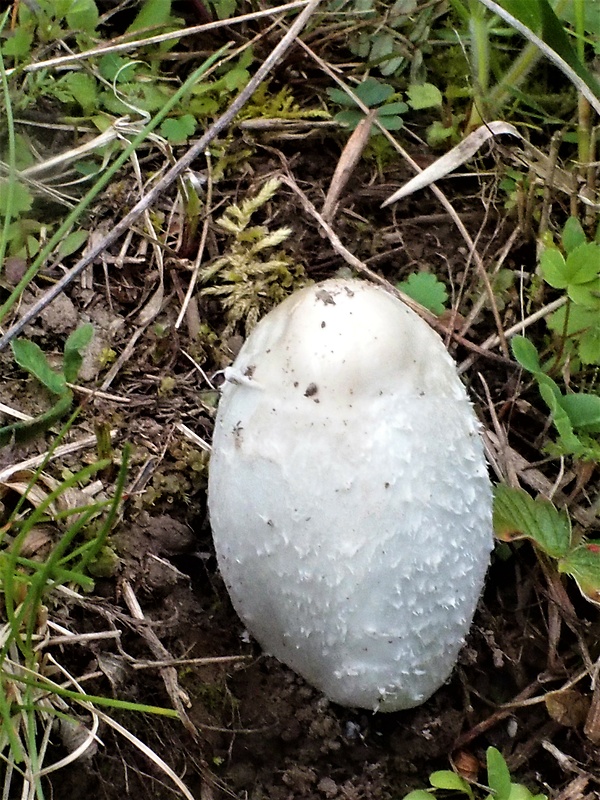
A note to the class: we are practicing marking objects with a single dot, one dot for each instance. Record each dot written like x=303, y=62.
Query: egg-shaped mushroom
x=349, y=497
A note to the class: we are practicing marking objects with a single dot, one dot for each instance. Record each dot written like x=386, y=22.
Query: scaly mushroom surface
x=349, y=496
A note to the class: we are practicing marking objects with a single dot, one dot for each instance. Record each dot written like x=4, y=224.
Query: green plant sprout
x=576, y=416
x=376, y=96
x=426, y=289
x=577, y=273
x=247, y=279
x=499, y=781
x=519, y=516
x=31, y=358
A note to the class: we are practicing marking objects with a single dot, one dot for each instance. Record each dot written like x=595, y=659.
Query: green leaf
x=31, y=357
x=527, y=13
x=424, y=95
x=552, y=265
x=498, y=775
x=114, y=67
x=340, y=97
x=83, y=16
x=583, y=564
x=349, y=118
x=392, y=123
x=178, y=130
x=152, y=14
x=583, y=263
x=426, y=289
x=418, y=794
x=579, y=320
x=583, y=411
x=573, y=234
x=373, y=92
x=586, y=294
x=526, y=354
x=561, y=421
x=391, y=108
x=21, y=199
x=75, y=344
x=445, y=779
x=519, y=516
x=18, y=43
x=589, y=346
x=520, y=792
x=82, y=88
x=72, y=243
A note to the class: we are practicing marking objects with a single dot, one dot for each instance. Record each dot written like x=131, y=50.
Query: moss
x=254, y=274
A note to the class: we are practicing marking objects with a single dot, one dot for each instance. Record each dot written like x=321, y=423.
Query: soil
x=256, y=731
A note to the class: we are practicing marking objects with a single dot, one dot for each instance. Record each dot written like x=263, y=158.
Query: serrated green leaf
x=424, y=95
x=579, y=320
x=498, y=774
x=583, y=564
x=589, y=346
x=426, y=289
x=586, y=294
x=29, y=356
x=178, y=130
x=583, y=263
x=81, y=87
x=526, y=354
x=553, y=266
x=18, y=43
x=74, y=346
x=392, y=108
x=519, y=516
x=573, y=235
x=21, y=199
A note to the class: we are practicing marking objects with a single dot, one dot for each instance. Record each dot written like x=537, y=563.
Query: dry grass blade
x=348, y=160
x=453, y=158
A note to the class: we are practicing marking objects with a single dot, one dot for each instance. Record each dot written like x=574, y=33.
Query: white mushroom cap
x=349, y=497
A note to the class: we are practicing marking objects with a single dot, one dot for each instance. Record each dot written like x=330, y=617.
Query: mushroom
x=349, y=497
